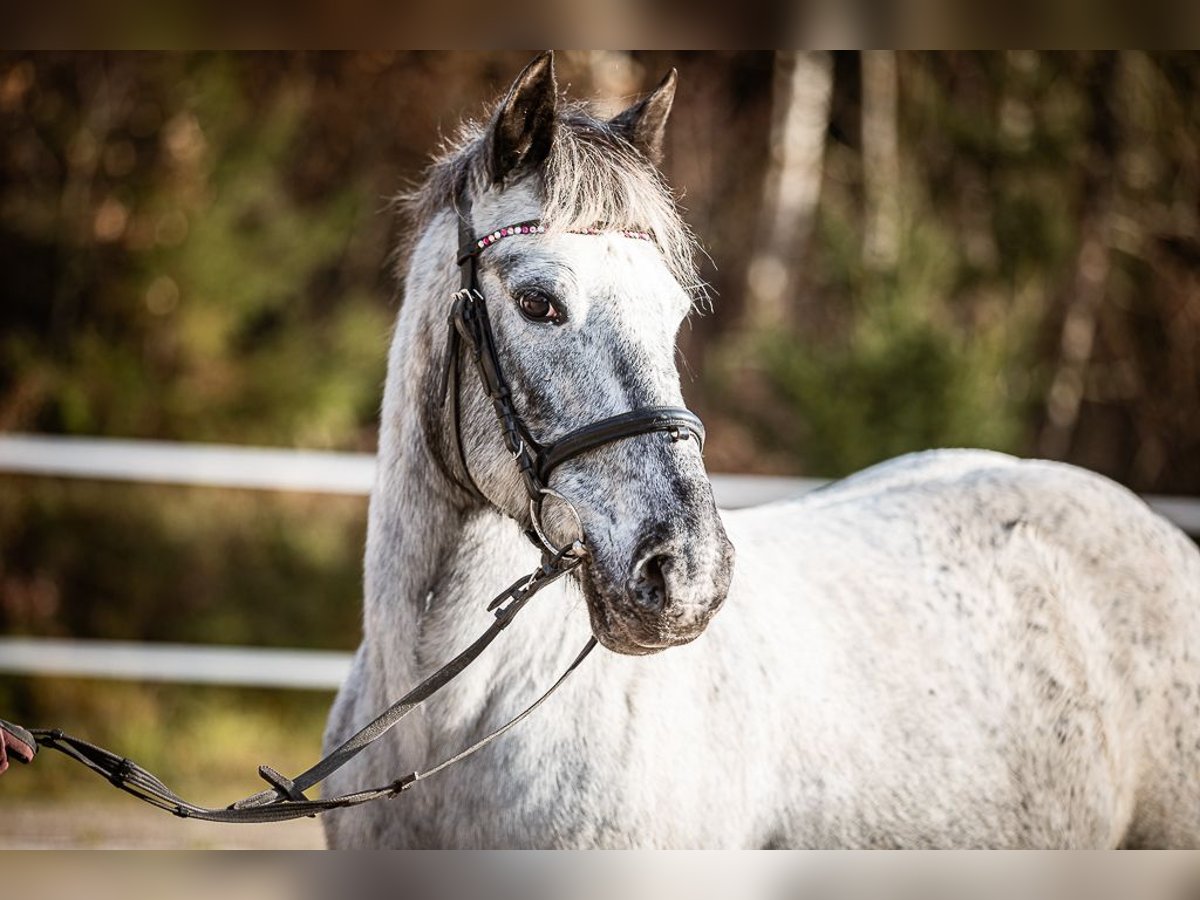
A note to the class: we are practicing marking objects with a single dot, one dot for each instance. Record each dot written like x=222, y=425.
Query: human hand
x=16, y=741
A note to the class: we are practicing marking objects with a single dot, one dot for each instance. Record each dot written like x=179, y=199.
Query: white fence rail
x=323, y=471
x=188, y=663
x=215, y=465
x=207, y=465
x=223, y=465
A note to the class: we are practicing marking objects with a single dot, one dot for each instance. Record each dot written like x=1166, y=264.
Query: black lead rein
x=285, y=798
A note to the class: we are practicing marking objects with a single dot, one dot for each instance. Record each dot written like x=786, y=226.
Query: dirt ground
x=29, y=825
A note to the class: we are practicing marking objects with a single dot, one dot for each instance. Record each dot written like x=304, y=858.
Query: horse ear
x=644, y=124
x=523, y=128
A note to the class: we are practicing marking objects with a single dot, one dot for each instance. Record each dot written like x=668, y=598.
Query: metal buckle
x=461, y=296
x=502, y=604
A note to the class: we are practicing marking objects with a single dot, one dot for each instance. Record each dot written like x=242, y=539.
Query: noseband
x=536, y=461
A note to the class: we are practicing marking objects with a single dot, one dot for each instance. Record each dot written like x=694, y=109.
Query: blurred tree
x=187, y=291
x=881, y=160
x=791, y=186
x=985, y=211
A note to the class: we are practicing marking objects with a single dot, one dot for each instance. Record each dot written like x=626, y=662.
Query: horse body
x=955, y=648
x=950, y=649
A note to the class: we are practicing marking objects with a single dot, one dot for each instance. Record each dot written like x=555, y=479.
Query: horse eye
x=537, y=307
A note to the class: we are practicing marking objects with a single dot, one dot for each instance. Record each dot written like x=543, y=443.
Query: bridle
x=471, y=329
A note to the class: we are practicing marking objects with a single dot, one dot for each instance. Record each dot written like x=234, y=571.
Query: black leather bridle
x=471, y=328
x=286, y=798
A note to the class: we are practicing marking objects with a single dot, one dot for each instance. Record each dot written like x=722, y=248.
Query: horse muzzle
x=663, y=595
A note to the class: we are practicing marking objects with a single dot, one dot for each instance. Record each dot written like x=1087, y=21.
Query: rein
x=285, y=798
x=469, y=328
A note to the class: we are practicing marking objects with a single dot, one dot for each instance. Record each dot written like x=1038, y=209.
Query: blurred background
x=907, y=250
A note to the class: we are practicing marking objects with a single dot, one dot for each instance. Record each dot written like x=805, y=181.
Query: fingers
x=17, y=742
x=19, y=749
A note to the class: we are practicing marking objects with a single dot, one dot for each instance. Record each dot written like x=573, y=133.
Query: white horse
x=951, y=649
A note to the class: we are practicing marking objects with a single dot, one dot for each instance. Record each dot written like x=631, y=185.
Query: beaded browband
x=476, y=245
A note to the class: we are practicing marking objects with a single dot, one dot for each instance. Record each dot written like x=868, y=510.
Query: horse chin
x=625, y=632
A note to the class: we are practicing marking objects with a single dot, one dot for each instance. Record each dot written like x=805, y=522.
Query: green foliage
x=253, y=350
x=196, y=302
x=905, y=372
x=869, y=400
x=130, y=562
x=1024, y=177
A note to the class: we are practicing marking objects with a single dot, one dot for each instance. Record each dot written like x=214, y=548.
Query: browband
x=473, y=246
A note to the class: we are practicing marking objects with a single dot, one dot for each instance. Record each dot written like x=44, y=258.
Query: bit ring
x=535, y=516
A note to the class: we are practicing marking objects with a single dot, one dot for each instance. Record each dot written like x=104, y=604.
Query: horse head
x=583, y=311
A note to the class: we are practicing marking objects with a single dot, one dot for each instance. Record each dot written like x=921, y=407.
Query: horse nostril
x=648, y=585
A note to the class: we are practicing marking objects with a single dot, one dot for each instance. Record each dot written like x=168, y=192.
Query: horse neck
x=431, y=567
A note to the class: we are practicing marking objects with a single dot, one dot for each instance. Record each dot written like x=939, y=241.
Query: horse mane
x=592, y=175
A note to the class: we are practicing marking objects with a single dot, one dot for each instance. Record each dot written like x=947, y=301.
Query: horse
x=954, y=648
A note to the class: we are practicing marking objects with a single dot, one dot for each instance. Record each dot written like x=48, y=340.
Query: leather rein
x=469, y=329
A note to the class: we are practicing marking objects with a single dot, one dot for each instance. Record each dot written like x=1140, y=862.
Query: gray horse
x=951, y=649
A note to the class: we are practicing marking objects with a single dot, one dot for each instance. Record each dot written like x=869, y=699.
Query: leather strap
x=285, y=799
x=678, y=422
x=469, y=318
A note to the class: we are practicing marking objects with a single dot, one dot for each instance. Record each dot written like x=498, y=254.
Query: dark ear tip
x=666, y=87
x=523, y=128
x=537, y=76
x=539, y=64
